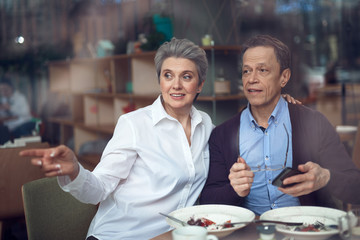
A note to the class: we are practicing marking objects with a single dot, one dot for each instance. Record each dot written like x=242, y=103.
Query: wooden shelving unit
x=222, y=97
x=97, y=92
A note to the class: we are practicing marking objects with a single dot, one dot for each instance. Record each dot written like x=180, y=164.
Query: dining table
x=248, y=232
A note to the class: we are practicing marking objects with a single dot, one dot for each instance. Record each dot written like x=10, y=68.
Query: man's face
x=261, y=77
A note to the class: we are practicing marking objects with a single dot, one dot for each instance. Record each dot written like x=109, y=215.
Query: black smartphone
x=285, y=173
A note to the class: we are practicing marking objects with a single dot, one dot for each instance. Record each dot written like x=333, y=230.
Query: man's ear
x=285, y=77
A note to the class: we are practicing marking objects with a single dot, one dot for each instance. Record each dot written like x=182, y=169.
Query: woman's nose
x=177, y=83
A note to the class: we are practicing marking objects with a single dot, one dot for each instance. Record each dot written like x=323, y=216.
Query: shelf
x=89, y=161
x=105, y=128
x=130, y=96
x=86, y=134
x=152, y=97
x=142, y=54
x=225, y=48
x=97, y=92
x=98, y=111
x=143, y=73
x=99, y=95
x=62, y=120
x=221, y=97
x=60, y=80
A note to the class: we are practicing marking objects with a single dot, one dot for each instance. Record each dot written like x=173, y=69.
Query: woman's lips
x=177, y=94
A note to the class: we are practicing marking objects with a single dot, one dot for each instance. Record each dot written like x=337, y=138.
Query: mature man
x=248, y=151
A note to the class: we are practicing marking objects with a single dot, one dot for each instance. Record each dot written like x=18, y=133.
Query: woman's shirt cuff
x=67, y=185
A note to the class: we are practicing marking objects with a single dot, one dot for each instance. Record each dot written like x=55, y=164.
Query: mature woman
x=157, y=160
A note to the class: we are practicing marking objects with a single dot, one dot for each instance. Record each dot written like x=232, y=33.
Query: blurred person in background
x=14, y=107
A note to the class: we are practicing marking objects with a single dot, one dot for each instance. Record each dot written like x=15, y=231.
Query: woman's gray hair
x=182, y=48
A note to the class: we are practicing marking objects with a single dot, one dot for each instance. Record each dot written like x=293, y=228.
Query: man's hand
x=241, y=177
x=314, y=178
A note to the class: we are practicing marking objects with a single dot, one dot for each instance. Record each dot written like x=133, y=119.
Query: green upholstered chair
x=51, y=213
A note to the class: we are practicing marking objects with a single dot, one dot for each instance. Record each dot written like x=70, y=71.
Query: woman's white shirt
x=146, y=168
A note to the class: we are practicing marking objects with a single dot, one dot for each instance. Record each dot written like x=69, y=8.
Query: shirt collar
x=274, y=117
x=159, y=113
x=278, y=111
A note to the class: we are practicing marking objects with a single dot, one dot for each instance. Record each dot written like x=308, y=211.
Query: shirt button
x=269, y=181
x=273, y=205
x=266, y=157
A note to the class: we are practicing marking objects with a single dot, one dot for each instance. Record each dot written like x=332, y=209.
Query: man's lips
x=252, y=90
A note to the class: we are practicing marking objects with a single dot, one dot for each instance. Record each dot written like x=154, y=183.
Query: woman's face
x=179, y=84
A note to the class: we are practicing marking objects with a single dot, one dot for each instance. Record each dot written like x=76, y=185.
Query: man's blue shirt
x=266, y=148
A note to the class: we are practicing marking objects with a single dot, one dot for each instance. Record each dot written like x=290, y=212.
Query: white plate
x=307, y=215
x=216, y=213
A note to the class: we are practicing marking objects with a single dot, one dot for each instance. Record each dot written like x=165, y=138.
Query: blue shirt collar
x=274, y=117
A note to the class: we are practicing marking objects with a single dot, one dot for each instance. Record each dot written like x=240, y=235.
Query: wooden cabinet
x=100, y=90
x=222, y=107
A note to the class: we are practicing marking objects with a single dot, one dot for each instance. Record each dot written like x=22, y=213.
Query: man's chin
x=255, y=102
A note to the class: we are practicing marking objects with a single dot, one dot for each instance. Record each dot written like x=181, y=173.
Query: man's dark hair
x=282, y=51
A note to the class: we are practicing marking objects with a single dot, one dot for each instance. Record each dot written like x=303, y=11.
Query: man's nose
x=252, y=78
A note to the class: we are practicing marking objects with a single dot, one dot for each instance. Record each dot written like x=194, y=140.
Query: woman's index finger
x=33, y=152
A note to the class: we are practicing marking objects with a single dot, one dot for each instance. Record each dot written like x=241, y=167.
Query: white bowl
x=216, y=213
x=307, y=215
